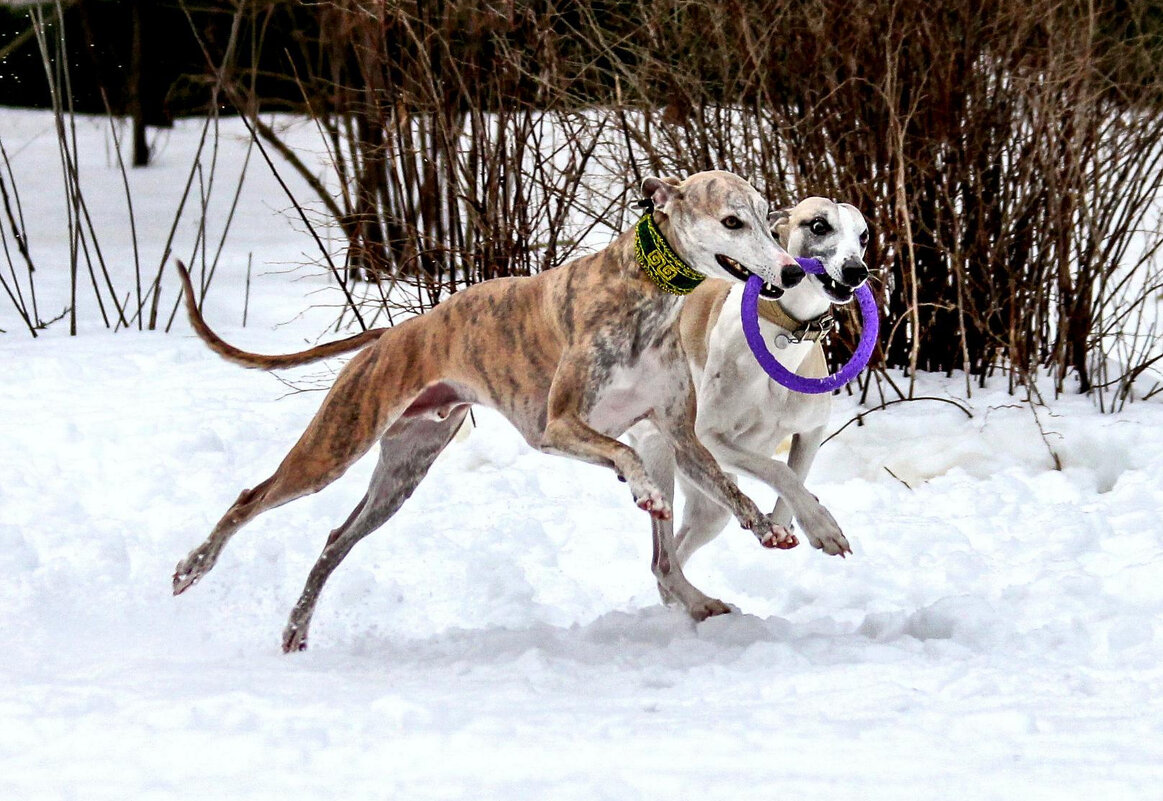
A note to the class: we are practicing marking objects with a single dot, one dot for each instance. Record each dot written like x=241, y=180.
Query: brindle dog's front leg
x=673, y=586
x=677, y=422
x=567, y=434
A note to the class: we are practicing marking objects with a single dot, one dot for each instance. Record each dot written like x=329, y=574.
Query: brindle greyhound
x=572, y=357
x=742, y=414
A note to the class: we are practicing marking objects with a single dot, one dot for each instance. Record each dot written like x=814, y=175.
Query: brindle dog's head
x=836, y=234
x=718, y=225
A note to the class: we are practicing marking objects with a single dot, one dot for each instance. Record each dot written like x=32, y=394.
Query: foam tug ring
x=869, y=319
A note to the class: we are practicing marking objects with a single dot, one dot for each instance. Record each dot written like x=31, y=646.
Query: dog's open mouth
x=742, y=273
x=838, y=292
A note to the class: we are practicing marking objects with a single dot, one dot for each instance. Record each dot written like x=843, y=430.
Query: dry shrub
x=1008, y=169
x=458, y=155
x=1006, y=153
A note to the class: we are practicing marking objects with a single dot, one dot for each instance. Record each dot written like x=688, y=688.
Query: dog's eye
x=732, y=222
x=864, y=240
x=819, y=226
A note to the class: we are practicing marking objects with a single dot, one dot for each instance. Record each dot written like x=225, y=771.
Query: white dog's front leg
x=822, y=529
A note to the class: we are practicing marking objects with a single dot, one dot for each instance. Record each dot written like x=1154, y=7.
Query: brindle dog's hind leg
x=349, y=421
x=408, y=449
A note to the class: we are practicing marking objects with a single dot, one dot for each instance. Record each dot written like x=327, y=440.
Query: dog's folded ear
x=661, y=191
x=778, y=221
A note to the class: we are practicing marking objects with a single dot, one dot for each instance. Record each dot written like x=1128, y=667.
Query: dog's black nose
x=791, y=275
x=854, y=272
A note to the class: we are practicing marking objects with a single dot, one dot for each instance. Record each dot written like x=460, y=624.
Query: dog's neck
x=804, y=302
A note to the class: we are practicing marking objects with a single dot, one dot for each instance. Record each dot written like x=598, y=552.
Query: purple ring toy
x=798, y=383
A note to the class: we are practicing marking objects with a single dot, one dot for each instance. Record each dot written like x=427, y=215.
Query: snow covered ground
x=996, y=634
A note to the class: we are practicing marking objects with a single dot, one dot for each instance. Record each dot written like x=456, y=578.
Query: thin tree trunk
x=136, y=83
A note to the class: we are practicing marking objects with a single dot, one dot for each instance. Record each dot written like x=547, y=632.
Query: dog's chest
x=739, y=400
x=630, y=391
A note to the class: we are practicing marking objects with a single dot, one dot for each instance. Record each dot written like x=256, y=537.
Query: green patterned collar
x=660, y=262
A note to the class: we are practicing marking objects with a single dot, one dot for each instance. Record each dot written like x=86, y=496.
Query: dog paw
x=650, y=498
x=189, y=571
x=778, y=537
x=657, y=506
x=709, y=607
x=769, y=533
x=294, y=639
x=832, y=543
x=824, y=534
x=183, y=581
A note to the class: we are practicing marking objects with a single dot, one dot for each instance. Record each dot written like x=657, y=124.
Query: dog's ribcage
x=633, y=390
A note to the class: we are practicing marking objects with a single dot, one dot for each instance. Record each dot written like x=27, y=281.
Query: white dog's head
x=718, y=225
x=836, y=234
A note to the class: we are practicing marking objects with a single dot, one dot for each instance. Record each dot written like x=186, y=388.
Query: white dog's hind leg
x=702, y=521
x=804, y=447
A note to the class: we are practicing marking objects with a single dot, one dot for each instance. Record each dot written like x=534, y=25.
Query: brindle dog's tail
x=258, y=360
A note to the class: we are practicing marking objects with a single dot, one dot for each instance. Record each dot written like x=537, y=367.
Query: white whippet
x=743, y=415
x=572, y=357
